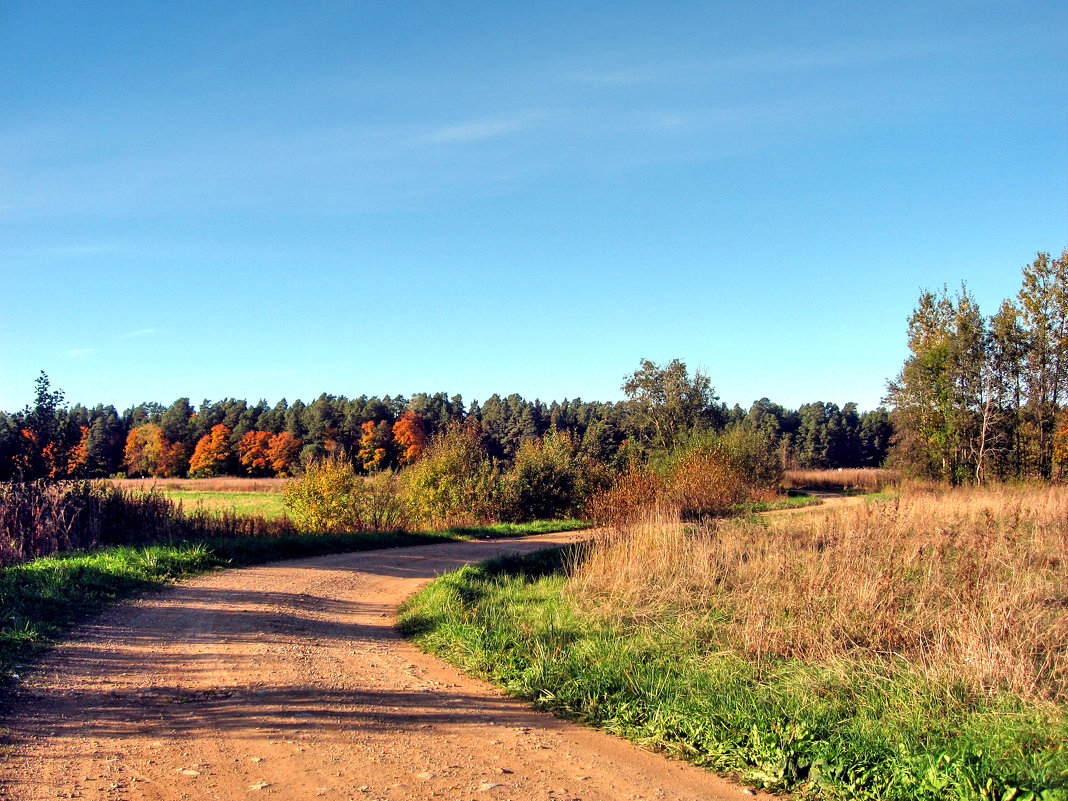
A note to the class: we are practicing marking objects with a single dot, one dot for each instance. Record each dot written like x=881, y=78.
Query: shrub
x=701, y=479
x=753, y=454
x=703, y=482
x=330, y=497
x=552, y=479
x=634, y=491
x=455, y=483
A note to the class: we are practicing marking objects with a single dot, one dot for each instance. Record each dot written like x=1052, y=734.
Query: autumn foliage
x=173, y=460
x=410, y=436
x=283, y=450
x=252, y=451
x=144, y=446
x=375, y=445
x=212, y=451
x=702, y=479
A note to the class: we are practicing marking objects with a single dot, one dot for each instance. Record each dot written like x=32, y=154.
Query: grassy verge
x=43, y=598
x=830, y=730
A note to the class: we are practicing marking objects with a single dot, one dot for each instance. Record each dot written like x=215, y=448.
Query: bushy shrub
x=703, y=482
x=636, y=490
x=551, y=479
x=702, y=478
x=754, y=455
x=455, y=483
x=331, y=497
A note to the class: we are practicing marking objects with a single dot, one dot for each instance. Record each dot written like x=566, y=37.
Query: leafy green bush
x=552, y=479
x=331, y=497
x=456, y=483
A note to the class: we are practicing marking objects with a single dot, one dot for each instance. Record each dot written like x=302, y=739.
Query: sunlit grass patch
x=263, y=504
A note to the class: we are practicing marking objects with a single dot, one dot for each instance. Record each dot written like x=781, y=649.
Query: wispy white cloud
x=79, y=353
x=141, y=332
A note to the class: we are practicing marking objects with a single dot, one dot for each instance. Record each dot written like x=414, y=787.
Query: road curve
x=289, y=680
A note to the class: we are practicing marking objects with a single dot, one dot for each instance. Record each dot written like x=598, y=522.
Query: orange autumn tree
x=211, y=453
x=32, y=459
x=79, y=454
x=410, y=436
x=282, y=452
x=375, y=445
x=174, y=460
x=252, y=450
x=144, y=445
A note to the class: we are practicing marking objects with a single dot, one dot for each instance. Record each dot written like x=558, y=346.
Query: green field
x=265, y=504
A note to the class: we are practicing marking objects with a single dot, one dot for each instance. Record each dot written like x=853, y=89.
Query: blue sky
x=256, y=201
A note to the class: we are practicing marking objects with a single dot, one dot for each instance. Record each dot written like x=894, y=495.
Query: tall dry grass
x=42, y=518
x=867, y=479
x=218, y=484
x=966, y=585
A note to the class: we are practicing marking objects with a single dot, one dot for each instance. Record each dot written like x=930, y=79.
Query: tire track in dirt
x=289, y=680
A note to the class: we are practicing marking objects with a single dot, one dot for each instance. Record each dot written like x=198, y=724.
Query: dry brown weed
x=966, y=584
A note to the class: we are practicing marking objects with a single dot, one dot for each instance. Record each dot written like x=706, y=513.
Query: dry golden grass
x=868, y=479
x=967, y=585
x=220, y=484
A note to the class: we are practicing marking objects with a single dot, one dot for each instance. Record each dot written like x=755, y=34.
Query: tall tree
x=253, y=452
x=144, y=446
x=941, y=396
x=212, y=453
x=410, y=435
x=40, y=428
x=1043, y=303
x=283, y=451
x=667, y=404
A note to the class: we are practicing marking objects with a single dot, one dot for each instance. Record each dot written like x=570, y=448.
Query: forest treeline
x=983, y=398
x=664, y=406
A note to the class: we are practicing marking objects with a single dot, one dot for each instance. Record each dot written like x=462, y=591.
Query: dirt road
x=289, y=680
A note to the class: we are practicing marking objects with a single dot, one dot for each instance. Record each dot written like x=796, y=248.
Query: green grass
x=516, y=529
x=43, y=598
x=821, y=731
x=265, y=504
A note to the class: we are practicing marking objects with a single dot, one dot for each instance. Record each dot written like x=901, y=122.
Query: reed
x=863, y=479
x=42, y=518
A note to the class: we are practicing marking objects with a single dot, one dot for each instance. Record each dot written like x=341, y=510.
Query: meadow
x=242, y=496
x=852, y=479
x=908, y=647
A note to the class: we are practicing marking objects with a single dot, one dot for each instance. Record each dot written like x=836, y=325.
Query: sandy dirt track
x=289, y=680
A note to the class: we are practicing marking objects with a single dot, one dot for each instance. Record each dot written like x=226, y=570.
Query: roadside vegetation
x=906, y=649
